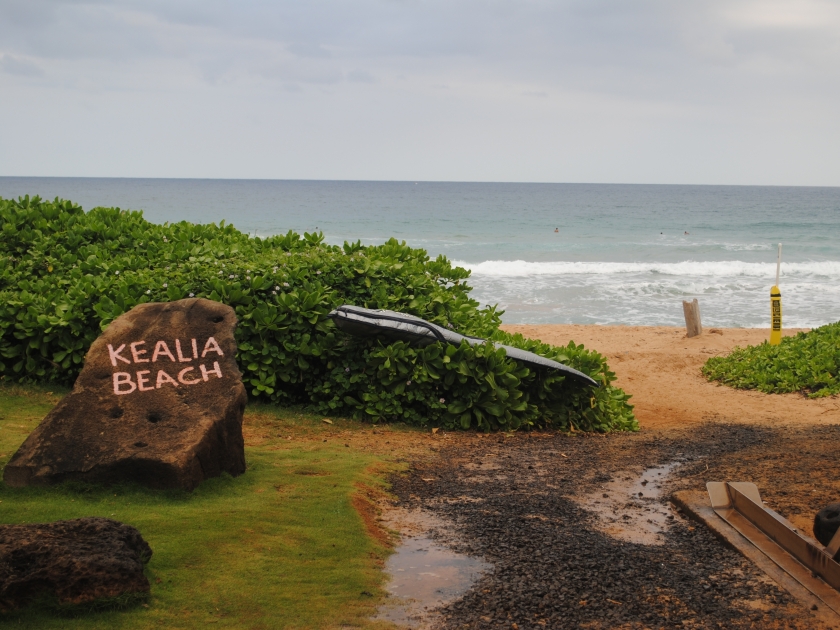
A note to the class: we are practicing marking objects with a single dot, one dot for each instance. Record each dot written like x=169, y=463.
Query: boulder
x=74, y=562
x=159, y=401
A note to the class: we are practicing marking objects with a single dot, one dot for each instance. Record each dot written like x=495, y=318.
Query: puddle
x=630, y=508
x=424, y=575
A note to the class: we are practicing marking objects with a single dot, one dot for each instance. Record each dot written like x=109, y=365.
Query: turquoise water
x=621, y=254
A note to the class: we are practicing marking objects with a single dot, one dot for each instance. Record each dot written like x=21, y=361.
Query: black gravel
x=553, y=569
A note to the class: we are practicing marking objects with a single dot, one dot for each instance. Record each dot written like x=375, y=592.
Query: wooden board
x=697, y=506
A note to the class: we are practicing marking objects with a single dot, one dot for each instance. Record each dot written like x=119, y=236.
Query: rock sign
x=159, y=401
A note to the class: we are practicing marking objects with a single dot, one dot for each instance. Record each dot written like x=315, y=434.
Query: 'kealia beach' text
x=176, y=375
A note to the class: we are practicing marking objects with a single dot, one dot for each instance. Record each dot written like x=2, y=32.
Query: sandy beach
x=660, y=367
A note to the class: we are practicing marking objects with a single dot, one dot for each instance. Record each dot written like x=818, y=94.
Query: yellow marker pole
x=776, y=306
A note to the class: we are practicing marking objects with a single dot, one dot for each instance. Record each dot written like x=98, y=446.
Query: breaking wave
x=724, y=268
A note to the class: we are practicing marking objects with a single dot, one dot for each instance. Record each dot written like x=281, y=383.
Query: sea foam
x=723, y=268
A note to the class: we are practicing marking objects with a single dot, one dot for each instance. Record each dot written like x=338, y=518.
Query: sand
x=660, y=367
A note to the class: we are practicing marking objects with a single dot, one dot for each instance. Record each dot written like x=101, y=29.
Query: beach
x=660, y=367
x=583, y=527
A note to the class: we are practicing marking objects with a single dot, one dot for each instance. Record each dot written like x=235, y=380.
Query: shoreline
x=660, y=368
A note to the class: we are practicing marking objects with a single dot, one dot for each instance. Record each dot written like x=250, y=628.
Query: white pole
x=778, y=264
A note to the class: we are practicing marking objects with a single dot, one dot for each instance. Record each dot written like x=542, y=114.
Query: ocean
x=545, y=253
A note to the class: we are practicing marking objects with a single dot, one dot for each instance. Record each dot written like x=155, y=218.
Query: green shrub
x=807, y=362
x=67, y=274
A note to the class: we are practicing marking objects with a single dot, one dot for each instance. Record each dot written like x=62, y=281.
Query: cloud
x=444, y=75
x=19, y=66
x=360, y=76
x=308, y=49
x=312, y=71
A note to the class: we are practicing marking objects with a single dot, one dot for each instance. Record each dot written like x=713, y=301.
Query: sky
x=610, y=91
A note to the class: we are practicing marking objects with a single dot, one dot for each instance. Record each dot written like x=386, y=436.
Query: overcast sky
x=729, y=92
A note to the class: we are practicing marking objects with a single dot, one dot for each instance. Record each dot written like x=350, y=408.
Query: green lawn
x=278, y=547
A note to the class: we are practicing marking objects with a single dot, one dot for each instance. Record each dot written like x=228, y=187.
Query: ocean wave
x=683, y=242
x=747, y=247
x=726, y=268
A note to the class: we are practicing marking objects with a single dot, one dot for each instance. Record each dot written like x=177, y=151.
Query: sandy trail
x=660, y=367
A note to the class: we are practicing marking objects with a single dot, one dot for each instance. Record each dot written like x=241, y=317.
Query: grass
x=292, y=543
x=808, y=362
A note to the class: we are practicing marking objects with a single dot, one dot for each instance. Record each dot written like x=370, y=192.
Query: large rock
x=159, y=401
x=75, y=562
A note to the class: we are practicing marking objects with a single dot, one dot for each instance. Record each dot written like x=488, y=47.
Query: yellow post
x=776, y=306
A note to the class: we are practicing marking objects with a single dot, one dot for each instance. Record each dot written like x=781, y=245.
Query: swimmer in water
x=685, y=232
x=556, y=229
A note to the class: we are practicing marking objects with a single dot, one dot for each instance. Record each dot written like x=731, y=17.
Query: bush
x=807, y=362
x=67, y=274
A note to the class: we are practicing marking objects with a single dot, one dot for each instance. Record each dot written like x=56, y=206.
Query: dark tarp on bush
x=365, y=322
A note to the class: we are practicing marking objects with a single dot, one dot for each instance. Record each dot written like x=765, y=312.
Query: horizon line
x=410, y=181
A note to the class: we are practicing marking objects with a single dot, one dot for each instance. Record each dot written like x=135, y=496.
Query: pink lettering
x=142, y=380
x=181, y=356
x=115, y=354
x=162, y=349
x=183, y=373
x=212, y=346
x=136, y=353
x=195, y=349
x=163, y=378
x=123, y=378
x=205, y=373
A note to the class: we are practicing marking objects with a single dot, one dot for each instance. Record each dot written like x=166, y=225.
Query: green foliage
x=807, y=362
x=67, y=274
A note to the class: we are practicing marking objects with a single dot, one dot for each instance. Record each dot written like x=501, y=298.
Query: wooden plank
x=691, y=310
x=696, y=506
x=807, y=551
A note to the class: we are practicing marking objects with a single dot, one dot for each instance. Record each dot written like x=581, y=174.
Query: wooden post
x=692, y=318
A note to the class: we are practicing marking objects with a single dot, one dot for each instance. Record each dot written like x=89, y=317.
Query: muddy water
x=424, y=575
x=630, y=507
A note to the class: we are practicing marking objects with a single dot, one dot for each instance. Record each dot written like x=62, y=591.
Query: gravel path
x=517, y=503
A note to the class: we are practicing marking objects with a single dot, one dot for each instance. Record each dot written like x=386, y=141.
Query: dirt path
x=559, y=516
x=548, y=512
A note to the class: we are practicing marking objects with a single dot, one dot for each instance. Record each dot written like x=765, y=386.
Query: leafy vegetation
x=67, y=274
x=282, y=546
x=807, y=362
